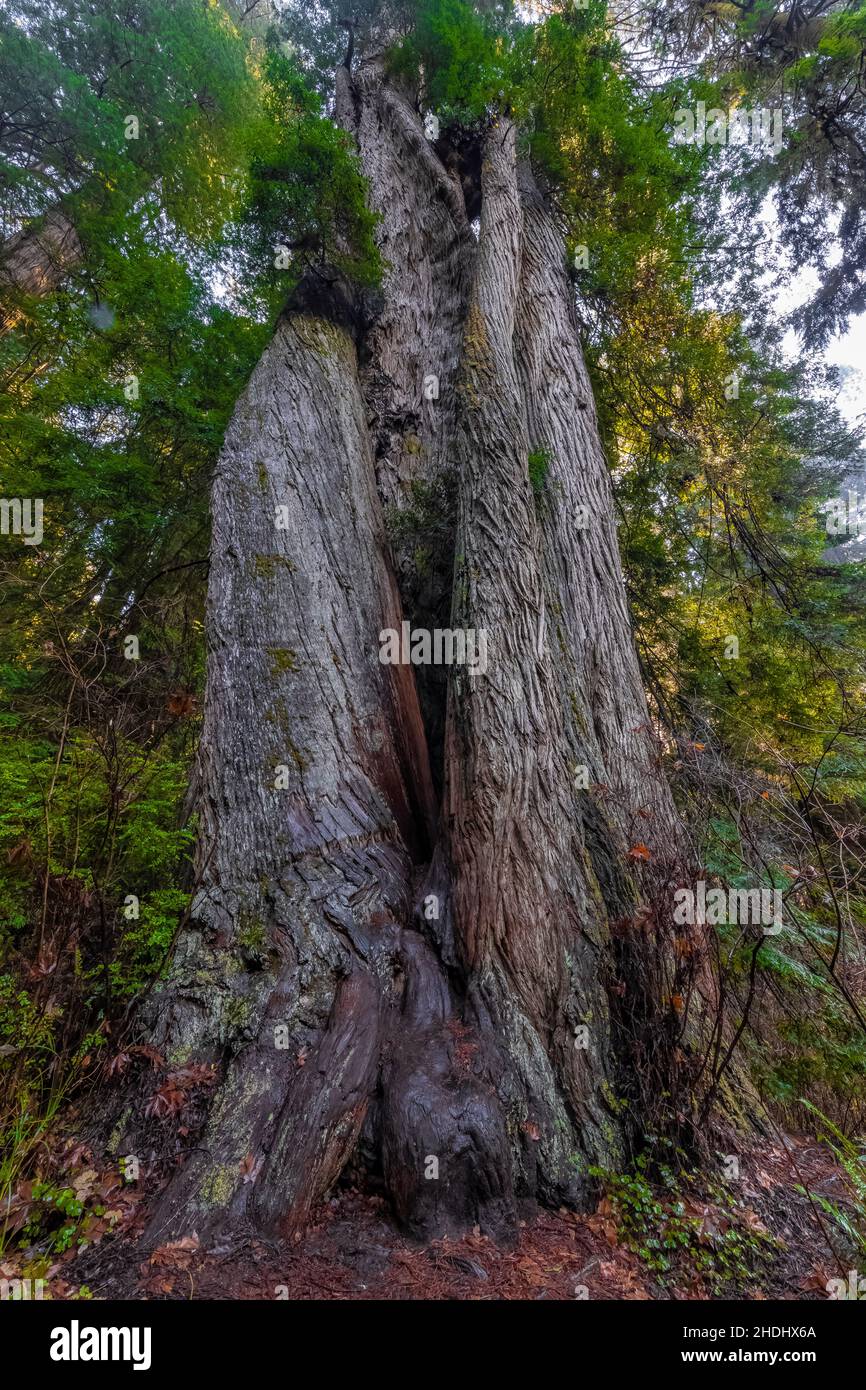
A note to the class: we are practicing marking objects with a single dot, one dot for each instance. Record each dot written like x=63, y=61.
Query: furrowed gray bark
x=428, y=249
x=595, y=648
x=412, y=350
x=295, y=696
x=527, y=913
x=625, y=803
x=475, y=1039
x=302, y=920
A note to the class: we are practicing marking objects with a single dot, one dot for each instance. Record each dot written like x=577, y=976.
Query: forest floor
x=353, y=1251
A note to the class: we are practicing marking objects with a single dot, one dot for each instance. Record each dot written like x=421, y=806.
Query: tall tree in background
x=804, y=60
x=97, y=109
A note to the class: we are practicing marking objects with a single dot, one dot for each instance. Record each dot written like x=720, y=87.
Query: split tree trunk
x=414, y=896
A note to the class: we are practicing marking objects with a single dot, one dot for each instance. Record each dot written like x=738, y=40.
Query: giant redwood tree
x=420, y=943
x=431, y=599
x=430, y=935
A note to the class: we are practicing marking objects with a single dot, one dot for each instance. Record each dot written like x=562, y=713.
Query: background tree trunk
x=35, y=261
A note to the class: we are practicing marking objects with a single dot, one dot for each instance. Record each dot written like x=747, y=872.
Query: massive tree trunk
x=403, y=948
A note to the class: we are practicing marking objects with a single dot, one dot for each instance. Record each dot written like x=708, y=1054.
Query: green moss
x=252, y=934
x=266, y=566
x=538, y=466
x=732, y=1098
x=118, y=1132
x=612, y=1100
x=320, y=336
x=579, y=721
x=297, y=757
x=236, y=1014
x=278, y=715
x=294, y=753
x=283, y=659
x=476, y=344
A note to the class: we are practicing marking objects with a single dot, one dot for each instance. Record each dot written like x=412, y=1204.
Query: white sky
x=846, y=350
x=850, y=351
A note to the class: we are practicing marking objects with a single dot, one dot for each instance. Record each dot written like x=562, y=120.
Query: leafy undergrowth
x=764, y=1239
x=686, y=1227
x=47, y=1224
